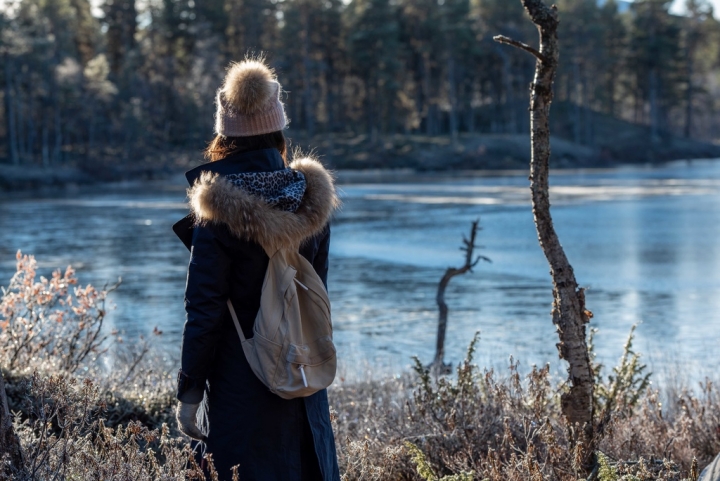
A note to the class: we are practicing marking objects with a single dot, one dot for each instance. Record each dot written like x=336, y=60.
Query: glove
x=187, y=420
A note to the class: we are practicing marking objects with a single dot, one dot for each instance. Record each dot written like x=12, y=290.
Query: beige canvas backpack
x=291, y=350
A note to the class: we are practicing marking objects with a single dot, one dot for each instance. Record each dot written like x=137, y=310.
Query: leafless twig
x=520, y=45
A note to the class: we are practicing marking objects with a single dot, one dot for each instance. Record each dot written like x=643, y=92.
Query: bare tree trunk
x=577, y=128
x=689, y=95
x=452, y=90
x=470, y=116
x=588, y=131
x=20, y=123
x=568, y=313
x=509, y=124
x=31, y=130
x=470, y=261
x=57, y=150
x=654, y=113
x=10, y=117
x=610, y=88
x=308, y=107
x=45, y=148
x=371, y=100
x=332, y=83
x=9, y=442
x=429, y=108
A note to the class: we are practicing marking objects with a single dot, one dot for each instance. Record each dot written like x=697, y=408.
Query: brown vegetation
x=95, y=423
x=508, y=427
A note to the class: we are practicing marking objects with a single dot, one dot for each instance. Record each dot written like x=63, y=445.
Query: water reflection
x=643, y=240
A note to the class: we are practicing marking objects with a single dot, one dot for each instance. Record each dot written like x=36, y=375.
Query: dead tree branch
x=569, y=314
x=520, y=45
x=470, y=261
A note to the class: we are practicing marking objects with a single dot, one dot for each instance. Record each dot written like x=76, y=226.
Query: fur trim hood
x=214, y=198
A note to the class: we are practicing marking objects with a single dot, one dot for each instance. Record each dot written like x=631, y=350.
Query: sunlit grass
x=91, y=407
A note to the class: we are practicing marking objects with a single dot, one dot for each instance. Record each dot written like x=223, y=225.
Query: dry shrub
x=64, y=436
x=55, y=326
x=688, y=429
x=477, y=425
x=49, y=323
x=115, y=426
x=474, y=425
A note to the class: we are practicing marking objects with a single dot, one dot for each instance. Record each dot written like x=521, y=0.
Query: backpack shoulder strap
x=235, y=321
x=270, y=254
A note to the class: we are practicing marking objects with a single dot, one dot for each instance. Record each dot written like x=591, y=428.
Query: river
x=645, y=241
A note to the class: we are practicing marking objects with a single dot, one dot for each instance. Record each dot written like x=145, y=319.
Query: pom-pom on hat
x=248, y=103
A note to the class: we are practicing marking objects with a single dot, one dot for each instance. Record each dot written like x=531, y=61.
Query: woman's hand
x=187, y=420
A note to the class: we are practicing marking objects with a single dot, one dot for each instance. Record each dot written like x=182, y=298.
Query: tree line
x=126, y=79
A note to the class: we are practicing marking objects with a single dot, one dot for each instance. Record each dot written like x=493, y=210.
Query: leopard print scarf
x=282, y=189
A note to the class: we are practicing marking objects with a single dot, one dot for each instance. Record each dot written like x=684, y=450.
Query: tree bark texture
x=568, y=313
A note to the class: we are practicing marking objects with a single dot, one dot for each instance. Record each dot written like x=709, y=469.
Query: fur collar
x=215, y=199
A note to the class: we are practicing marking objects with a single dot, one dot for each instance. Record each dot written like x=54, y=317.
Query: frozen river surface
x=644, y=241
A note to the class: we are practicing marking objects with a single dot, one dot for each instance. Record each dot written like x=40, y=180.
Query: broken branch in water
x=470, y=261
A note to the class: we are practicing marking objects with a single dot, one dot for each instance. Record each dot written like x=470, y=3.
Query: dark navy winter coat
x=271, y=439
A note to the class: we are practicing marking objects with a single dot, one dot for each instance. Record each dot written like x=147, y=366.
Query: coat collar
x=214, y=199
x=265, y=160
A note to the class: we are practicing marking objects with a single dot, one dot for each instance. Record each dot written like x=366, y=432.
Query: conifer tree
x=121, y=21
x=375, y=49
x=655, y=63
x=251, y=27
x=613, y=53
x=421, y=34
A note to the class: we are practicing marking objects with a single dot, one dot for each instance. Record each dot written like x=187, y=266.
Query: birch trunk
x=568, y=313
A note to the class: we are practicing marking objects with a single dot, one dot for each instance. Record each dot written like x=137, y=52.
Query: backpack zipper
x=302, y=371
x=301, y=284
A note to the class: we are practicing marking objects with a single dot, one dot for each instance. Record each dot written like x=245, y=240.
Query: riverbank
x=106, y=411
x=477, y=424
x=497, y=152
x=395, y=153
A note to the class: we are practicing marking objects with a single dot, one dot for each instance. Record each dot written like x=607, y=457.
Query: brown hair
x=221, y=147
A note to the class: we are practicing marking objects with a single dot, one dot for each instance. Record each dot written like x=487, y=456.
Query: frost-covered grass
x=79, y=419
x=487, y=425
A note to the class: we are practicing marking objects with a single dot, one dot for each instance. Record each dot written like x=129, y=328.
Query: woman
x=267, y=437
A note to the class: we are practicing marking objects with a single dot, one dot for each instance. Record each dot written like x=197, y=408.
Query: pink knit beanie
x=249, y=103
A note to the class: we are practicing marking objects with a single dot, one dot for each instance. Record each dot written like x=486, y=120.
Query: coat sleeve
x=206, y=295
